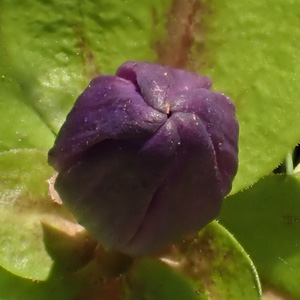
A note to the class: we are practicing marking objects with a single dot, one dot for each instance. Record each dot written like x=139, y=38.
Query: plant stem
x=289, y=163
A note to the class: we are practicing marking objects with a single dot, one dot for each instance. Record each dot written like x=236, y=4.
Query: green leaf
x=250, y=50
x=88, y=283
x=64, y=44
x=266, y=220
x=100, y=279
x=255, y=61
x=153, y=280
x=21, y=125
x=30, y=245
x=56, y=47
x=15, y=288
x=211, y=265
x=214, y=265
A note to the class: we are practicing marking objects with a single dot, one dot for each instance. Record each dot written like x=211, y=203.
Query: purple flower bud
x=146, y=156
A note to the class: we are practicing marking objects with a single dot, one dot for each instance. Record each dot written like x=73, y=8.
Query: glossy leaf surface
x=250, y=50
x=265, y=219
x=30, y=246
x=21, y=125
x=212, y=265
x=57, y=47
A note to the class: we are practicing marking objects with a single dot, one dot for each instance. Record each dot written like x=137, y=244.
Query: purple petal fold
x=158, y=84
x=110, y=108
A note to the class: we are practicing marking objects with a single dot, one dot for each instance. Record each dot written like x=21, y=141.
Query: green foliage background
x=49, y=51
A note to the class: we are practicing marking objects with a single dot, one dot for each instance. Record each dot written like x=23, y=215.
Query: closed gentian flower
x=145, y=157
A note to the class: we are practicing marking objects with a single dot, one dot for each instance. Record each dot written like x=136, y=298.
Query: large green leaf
x=36, y=233
x=250, y=50
x=56, y=47
x=266, y=220
x=15, y=288
x=21, y=125
x=211, y=265
x=255, y=61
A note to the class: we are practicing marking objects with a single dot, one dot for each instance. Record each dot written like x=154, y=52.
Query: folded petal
x=217, y=113
x=110, y=108
x=189, y=196
x=111, y=187
x=158, y=84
